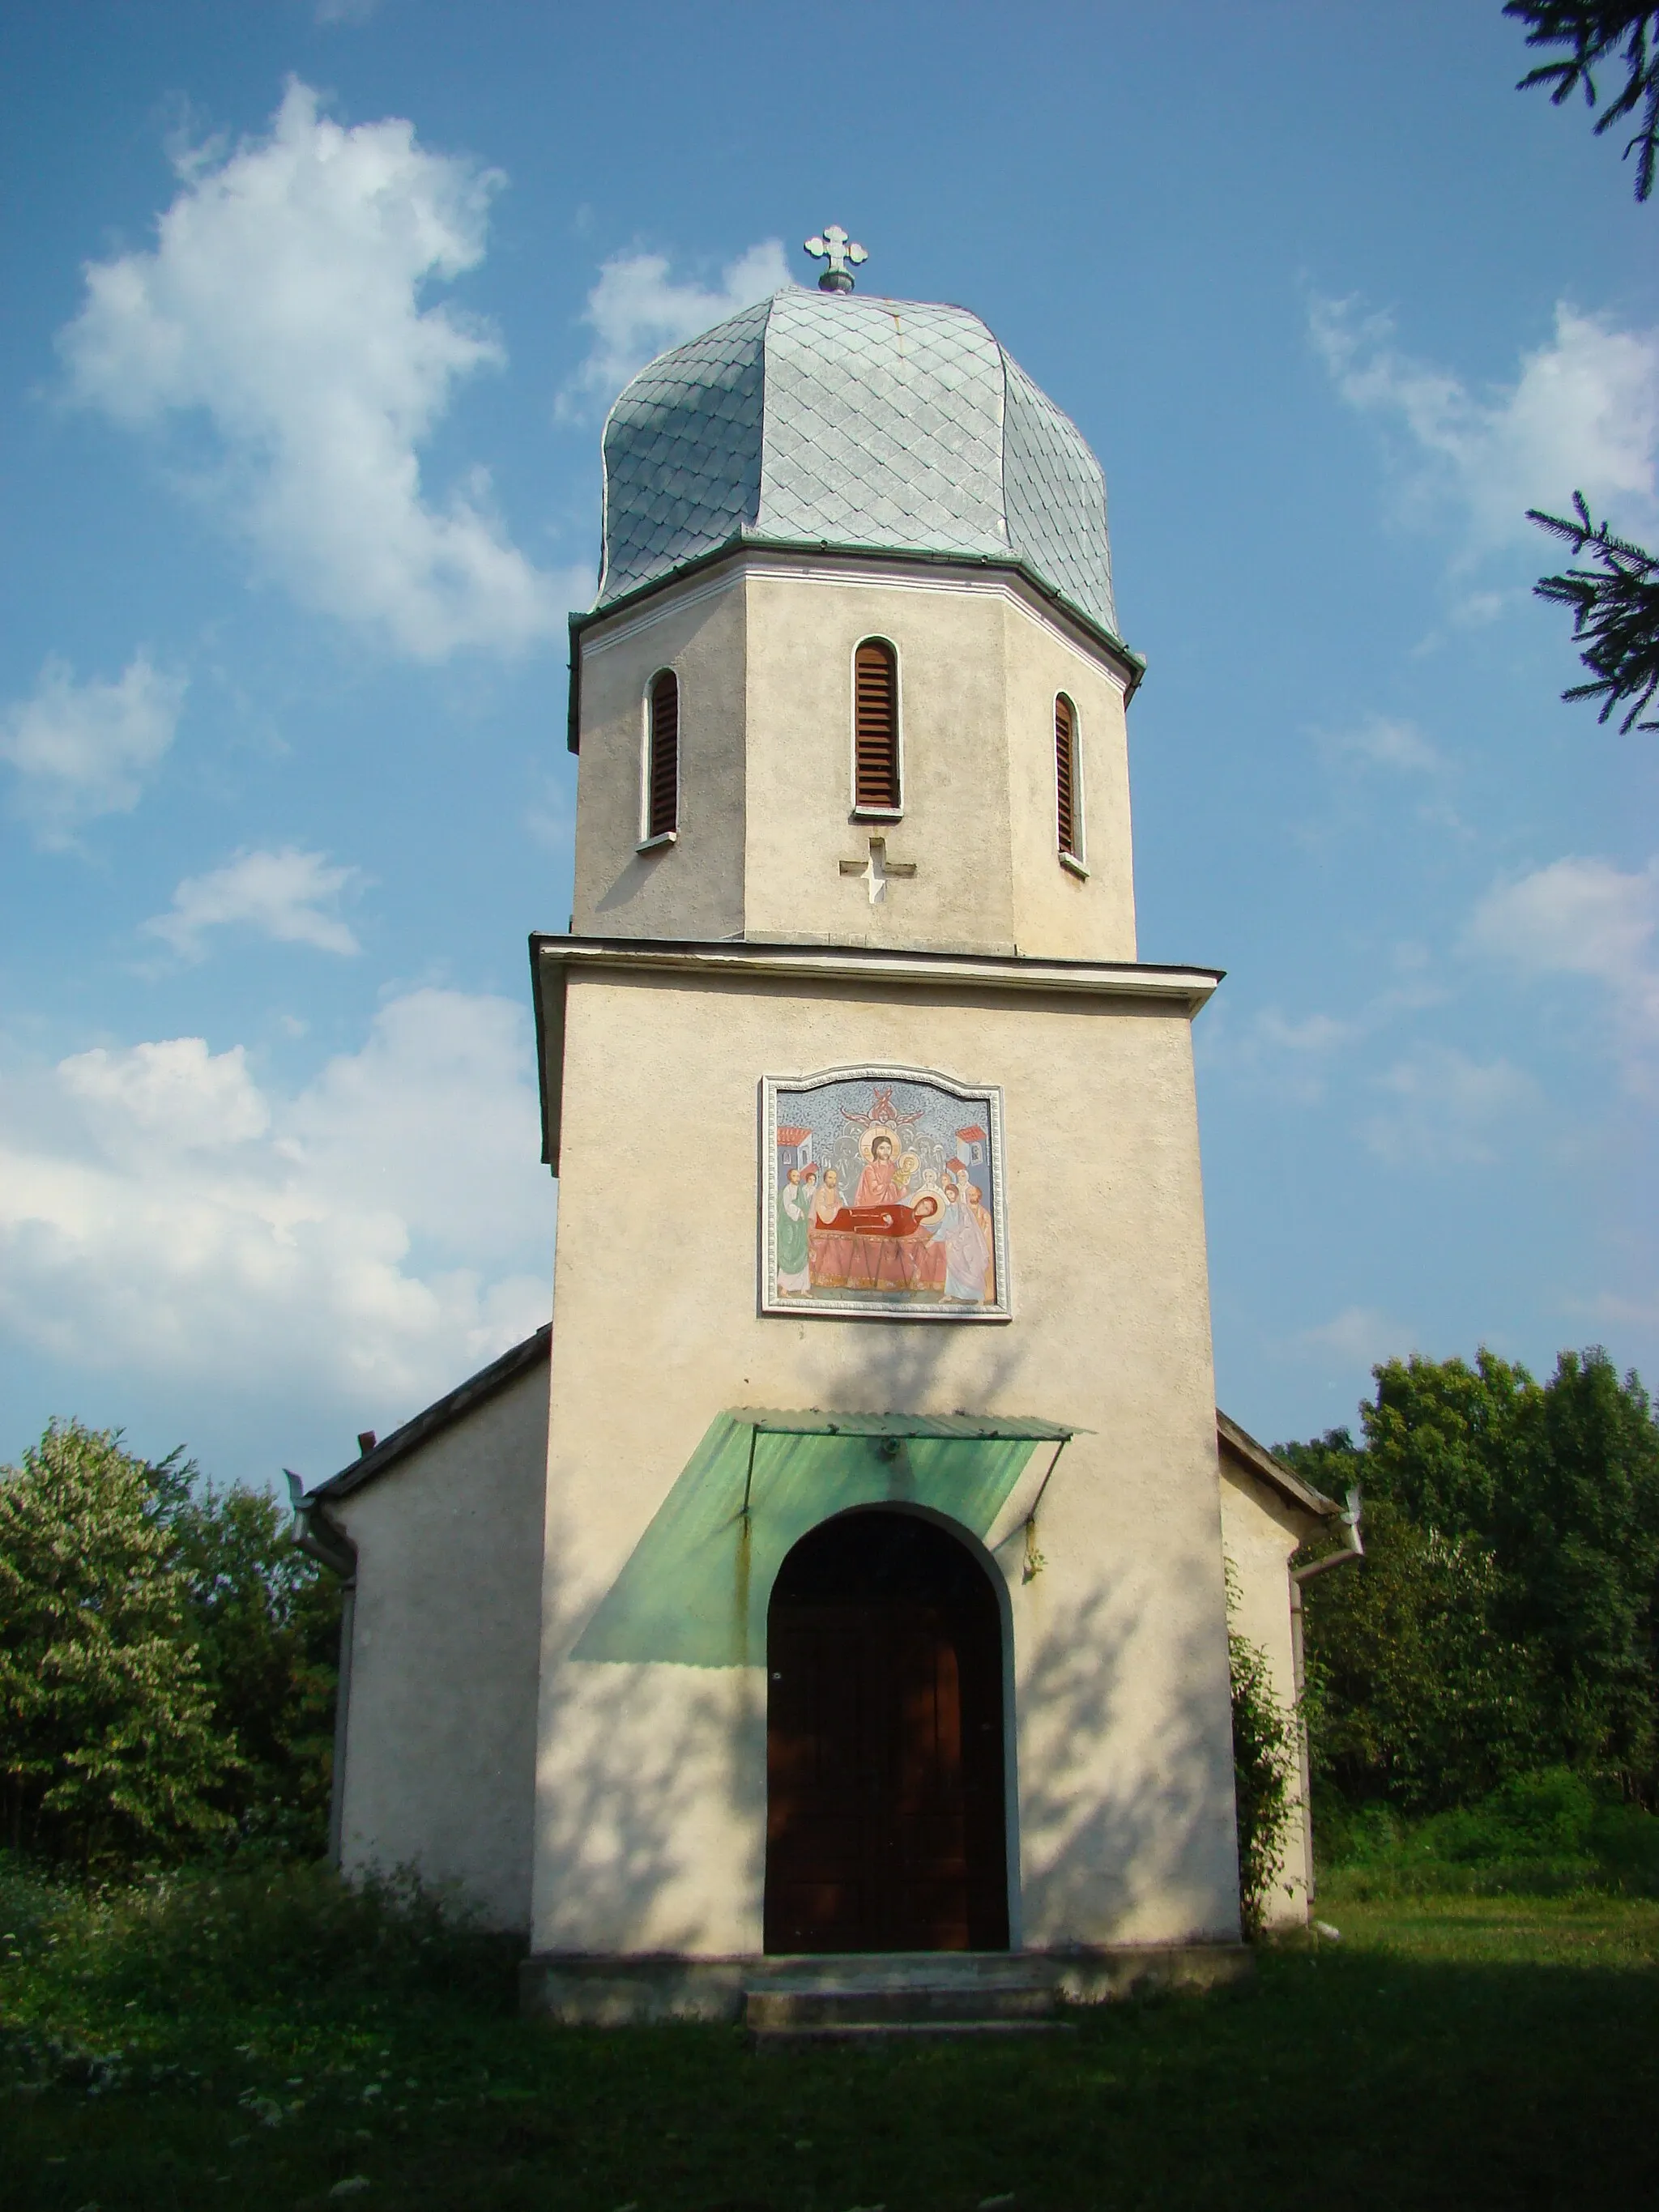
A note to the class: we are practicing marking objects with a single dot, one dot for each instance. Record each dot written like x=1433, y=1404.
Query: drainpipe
x=1353, y=1548
x=324, y=1540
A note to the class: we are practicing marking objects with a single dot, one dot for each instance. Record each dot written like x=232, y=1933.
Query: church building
x=835, y=1594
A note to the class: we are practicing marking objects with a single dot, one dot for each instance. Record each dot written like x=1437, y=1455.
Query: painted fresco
x=883, y=1194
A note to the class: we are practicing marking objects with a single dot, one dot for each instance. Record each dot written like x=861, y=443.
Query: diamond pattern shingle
x=884, y=425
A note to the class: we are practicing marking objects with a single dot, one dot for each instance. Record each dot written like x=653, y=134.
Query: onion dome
x=826, y=422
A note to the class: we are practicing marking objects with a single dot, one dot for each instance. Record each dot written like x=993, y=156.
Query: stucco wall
x=651, y=1778
x=693, y=887
x=764, y=652
x=1260, y=1530
x=440, y=1751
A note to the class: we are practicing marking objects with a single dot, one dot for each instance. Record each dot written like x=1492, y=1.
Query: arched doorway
x=885, y=1820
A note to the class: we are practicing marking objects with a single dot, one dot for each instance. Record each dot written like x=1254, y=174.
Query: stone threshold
x=922, y=1989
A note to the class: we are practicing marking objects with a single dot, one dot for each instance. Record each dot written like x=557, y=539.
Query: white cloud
x=1378, y=741
x=1358, y=1336
x=1583, y=917
x=1582, y=414
x=283, y=301
x=368, y=1240
x=636, y=312
x=1312, y=1036
x=289, y=896
x=82, y=750
x=1445, y=1109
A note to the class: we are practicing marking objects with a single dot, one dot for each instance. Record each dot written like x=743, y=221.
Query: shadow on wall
x=1124, y=1806
x=1146, y=1838
x=640, y=1752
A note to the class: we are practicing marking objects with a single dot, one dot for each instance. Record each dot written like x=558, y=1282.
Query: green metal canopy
x=696, y=1589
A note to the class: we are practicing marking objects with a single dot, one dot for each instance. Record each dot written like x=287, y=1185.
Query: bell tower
x=882, y=1432
x=853, y=674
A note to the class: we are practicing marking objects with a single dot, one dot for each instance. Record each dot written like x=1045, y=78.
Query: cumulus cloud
x=1445, y=1109
x=1581, y=413
x=1583, y=917
x=288, y=896
x=282, y=302
x=83, y=750
x=636, y=311
x=370, y=1238
x=1358, y=1336
x=1379, y=741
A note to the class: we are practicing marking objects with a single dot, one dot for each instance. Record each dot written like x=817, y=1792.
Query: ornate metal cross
x=878, y=871
x=837, y=249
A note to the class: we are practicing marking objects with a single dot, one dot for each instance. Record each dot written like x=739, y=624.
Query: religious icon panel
x=882, y=1192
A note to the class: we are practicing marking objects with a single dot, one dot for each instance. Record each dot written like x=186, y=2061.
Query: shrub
x=1264, y=1764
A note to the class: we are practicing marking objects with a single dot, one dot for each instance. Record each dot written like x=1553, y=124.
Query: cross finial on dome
x=837, y=249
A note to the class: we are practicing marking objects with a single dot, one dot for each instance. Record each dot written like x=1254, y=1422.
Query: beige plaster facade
x=616, y=1807
x=762, y=647
x=1264, y=1523
x=437, y=1753
x=651, y=1778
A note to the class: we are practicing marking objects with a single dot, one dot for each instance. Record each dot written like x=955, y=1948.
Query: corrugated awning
x=982, y=1428
x=694, y=1590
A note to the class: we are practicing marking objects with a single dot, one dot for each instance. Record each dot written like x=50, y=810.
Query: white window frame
x=646, y=843
x=1078, y=862
x=875, y=813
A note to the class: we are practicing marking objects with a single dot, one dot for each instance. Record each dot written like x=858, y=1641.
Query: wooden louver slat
x=662, y=805
x=1066, y=808
x=876, y=779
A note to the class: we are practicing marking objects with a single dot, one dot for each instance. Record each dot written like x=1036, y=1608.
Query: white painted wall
x=1260, y=1529
x=651, y=1778
x=763, y=649
x=440, y=1751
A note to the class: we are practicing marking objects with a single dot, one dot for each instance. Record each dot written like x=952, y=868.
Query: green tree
x=1615, y=614
x=266, y=1623
x=107, y=1746
x=1507, y=1616
x=1614, y=603
x=1595, y=32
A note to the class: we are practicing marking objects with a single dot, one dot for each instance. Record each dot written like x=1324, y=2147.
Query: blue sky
x=313, y=313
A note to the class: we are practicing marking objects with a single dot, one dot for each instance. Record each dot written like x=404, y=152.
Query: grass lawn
x=215, y=2052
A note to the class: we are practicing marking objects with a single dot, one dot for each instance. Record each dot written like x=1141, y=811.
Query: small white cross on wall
x=878, y=871
x=837, y=249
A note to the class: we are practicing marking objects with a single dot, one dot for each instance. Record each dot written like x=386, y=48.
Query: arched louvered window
x=1068, y=782
x=662, y=757
x=875, y=728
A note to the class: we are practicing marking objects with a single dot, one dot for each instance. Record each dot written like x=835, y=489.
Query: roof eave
x=435, y=1417
x=743, y=540
x=1271, y=1470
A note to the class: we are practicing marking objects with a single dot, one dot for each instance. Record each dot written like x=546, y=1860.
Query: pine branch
x=1615, y=609
x=1595, y=30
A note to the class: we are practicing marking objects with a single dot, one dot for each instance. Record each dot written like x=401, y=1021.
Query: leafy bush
x=1541, y=1835
x=166, y=1662
x=1264, y=1764
x=216, y=1941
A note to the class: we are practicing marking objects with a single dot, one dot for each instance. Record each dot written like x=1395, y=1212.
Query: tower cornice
x=849, y=564
x=1180, y=992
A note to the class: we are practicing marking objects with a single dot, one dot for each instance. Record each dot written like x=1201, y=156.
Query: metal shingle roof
x=863, y=423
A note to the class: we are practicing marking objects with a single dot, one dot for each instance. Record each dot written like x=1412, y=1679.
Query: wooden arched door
x=885, y=1819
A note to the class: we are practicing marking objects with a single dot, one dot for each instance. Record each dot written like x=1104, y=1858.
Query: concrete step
x=863, y=1999
x=902, y=2031
x=919, y=2005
